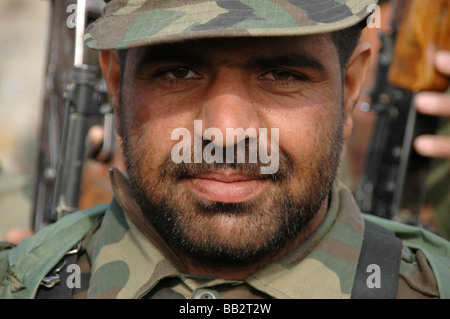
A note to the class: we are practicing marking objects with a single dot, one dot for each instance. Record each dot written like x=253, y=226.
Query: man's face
x=227, y=213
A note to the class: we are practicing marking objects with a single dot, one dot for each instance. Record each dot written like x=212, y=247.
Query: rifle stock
x=74, y=101
x=424, y=30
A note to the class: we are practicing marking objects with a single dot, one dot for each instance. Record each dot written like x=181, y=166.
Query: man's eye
x=182, y=73
x=282, y=75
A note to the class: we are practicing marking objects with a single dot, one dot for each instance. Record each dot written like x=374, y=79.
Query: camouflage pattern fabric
x=133, y=23
x=123, y=263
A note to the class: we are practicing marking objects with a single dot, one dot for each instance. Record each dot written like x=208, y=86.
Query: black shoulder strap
x=380, y=256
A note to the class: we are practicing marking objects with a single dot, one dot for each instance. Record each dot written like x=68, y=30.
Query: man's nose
x=230, y=104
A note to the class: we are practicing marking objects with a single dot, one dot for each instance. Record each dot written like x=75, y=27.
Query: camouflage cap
x=134, y=23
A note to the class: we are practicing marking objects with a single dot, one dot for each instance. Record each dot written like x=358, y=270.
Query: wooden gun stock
x=424, y=30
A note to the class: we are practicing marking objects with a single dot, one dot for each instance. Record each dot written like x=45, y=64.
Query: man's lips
x=226, y=187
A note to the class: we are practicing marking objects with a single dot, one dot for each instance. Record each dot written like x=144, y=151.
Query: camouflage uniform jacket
x=118, y=261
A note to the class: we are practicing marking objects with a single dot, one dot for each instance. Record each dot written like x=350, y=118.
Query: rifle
x=75, y=98
x=393, y=183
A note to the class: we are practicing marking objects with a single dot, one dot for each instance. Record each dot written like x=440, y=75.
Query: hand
x=15, y=235
x=436, y=104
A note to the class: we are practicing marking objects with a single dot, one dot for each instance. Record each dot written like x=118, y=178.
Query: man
x=192, y=220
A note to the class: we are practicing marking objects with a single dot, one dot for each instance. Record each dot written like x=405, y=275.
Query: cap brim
x=135, y=23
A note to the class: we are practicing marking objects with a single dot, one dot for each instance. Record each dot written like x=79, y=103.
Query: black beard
x=263, y=225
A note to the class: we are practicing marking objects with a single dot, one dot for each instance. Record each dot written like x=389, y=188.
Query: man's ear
x=110, y=66
x=355, y=76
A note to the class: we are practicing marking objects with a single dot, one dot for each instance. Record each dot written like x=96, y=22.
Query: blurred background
x=23, y=41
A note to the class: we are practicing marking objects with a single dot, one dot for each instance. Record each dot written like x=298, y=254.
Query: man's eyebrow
x=301, y=60
x=151, y=56
x=296, y=59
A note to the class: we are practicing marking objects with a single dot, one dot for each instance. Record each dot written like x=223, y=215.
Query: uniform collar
x=324, y=266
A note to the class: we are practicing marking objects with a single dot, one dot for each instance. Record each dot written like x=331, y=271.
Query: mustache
x=248, y=167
